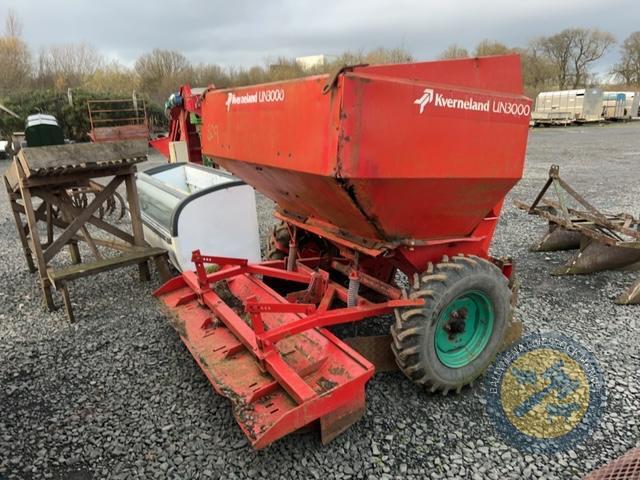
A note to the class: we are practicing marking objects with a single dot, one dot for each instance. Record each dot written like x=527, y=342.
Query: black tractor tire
x=413, y=331
x=278, y=242
x=309, y=245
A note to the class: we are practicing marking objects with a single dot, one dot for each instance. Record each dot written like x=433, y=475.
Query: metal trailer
x=374, y=170
x=175, y=202
x=551, y=118
x=632, y=104
x=118, y=120
x=620, y=105
x=583, y=105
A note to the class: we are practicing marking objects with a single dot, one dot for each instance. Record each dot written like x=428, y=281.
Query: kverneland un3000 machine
x=374, y=170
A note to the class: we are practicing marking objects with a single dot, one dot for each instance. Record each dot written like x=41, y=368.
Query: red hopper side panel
x=420, y=151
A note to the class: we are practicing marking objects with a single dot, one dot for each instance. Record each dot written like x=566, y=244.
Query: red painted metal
x=395, y=167
x=373, y=163
x=181, y=126
x=284, y=370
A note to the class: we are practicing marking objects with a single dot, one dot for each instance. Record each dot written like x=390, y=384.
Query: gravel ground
x=117, y=395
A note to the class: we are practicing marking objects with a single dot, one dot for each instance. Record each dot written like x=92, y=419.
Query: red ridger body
x=376, y=170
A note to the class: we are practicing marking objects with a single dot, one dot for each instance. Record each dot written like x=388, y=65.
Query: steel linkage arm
x=318, y=319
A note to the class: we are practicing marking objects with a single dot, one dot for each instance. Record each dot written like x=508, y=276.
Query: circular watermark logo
x=545, y=393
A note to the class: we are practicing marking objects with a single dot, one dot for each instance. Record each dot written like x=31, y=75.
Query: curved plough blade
x=556, y=239
x=631, y=296
x=595, y=257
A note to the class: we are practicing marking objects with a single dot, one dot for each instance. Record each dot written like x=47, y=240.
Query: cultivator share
x=603, y=241
x=371, y=175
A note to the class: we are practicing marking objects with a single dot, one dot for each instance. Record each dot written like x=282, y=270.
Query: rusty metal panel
x=376, y=349
x=557, y=239
x=626, y=467
x=120, y=132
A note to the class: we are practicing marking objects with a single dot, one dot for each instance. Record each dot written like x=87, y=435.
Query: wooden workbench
x=43, y=185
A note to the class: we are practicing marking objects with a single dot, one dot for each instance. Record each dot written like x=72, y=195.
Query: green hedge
x=74, y=119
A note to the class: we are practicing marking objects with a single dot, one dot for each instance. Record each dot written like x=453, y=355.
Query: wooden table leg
x=20, y=227
x=35, y=240
x=49, y=223
x=162, y=266
x=144, y=272
x=74, y=251
x=136, y=222
x=67, y=301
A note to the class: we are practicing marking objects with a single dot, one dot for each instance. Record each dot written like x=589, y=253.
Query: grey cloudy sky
x=243, y=32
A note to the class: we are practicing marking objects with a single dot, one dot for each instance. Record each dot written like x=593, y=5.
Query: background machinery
x=182, y=142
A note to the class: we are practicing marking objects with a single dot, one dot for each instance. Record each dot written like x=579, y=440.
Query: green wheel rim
x=464, y=328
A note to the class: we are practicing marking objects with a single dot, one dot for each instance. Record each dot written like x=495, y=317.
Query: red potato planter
x=374, y=170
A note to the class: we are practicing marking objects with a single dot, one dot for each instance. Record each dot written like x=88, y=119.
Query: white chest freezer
x=188, y=207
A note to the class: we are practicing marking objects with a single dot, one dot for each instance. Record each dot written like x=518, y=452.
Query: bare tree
x=114, y=78
x=377, y=56
x=454, y=51
x=572, y=53
x=205, y=74
x=557, y=48
x=538, y=71
x=628, y=69
x=491, y=47
x=349, y=57
x=15, y=58
x=284, y=68
x=161, y=72
x=12, y=25
x=590, y=45
x=70, y=65
x=382, y=55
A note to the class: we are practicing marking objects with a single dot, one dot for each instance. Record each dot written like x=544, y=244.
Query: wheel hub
x=464, y=328
x=456, y=323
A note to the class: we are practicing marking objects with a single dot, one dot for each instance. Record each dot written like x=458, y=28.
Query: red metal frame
x=181, y=128
x=324, y=383
x=410, y=257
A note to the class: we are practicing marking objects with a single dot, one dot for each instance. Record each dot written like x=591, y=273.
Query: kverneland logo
x=461, y=104
x=261, y=96
x=425, y=99
x=472, y=104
